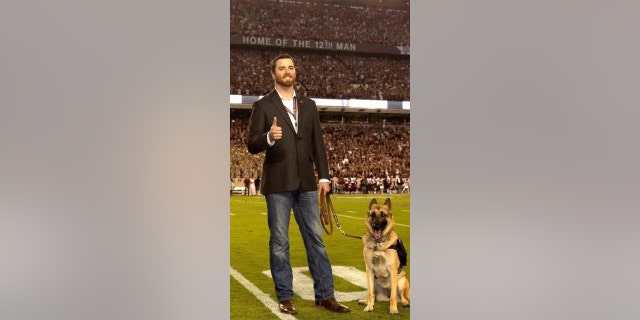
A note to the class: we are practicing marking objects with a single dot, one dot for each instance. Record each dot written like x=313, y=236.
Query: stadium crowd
x=329, y=74
x=320, y=21
x=324, y=75
x=356, y=152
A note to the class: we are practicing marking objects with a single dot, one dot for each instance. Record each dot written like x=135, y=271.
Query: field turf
x=252, y=293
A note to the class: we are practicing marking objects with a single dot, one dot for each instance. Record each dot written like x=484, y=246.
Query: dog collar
x=393, y=246
x=382, y=239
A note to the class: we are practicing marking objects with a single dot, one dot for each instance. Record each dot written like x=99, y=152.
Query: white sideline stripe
x=263, y=297
x=264, y=213
x=397, y=224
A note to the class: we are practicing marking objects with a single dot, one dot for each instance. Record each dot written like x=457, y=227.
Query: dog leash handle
x=325, y=217
x=326, y=209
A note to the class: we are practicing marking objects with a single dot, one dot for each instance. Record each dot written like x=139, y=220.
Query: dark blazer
x=288, y=164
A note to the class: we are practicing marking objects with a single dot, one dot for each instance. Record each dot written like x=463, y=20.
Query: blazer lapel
x=302, y=112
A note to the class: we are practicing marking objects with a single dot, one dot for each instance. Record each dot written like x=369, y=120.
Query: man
x=247, y=182
x=287, y=127
x=257, y=183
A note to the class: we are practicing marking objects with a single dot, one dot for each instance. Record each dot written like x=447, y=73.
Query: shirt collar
x=294, y=93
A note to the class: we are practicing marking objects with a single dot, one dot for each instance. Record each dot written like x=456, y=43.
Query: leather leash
x=326, y=208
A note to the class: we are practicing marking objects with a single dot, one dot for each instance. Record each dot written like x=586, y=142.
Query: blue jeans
x=306, y=213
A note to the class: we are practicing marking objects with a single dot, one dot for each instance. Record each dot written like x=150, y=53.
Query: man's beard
x=286, y=82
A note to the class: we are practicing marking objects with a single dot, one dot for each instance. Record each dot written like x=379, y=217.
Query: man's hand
x=275, y=133
x=324, y=187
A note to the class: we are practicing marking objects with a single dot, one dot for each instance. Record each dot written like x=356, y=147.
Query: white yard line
x=263, y=297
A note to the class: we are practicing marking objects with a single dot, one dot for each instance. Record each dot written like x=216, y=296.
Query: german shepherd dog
x=384, y=258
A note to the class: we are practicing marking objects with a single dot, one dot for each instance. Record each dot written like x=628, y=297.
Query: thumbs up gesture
x=275, y=133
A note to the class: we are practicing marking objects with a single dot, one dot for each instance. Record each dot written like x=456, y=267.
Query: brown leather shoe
x=286, y=306
x=333, y=305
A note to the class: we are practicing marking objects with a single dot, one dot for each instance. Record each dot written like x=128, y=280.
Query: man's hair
x=282, y=56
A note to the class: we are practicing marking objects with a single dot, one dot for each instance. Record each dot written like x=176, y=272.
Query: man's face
x=285, y=73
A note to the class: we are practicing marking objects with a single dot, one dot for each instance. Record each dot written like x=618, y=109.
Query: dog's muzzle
x=378, y=227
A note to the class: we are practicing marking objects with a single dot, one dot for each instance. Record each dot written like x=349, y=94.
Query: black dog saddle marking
x=402, y=253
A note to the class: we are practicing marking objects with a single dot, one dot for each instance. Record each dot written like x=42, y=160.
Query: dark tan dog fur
x=384, y=283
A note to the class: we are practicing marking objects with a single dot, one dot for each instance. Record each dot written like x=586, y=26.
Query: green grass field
x=252, y=293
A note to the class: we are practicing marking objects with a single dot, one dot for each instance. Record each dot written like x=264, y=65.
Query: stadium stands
x=343, y=50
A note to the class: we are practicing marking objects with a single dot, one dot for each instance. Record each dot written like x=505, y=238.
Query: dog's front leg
x=371, y=297
x=393, y=299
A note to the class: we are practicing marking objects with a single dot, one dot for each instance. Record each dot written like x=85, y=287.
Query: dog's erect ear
x=388, y=203
x=373, y=201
